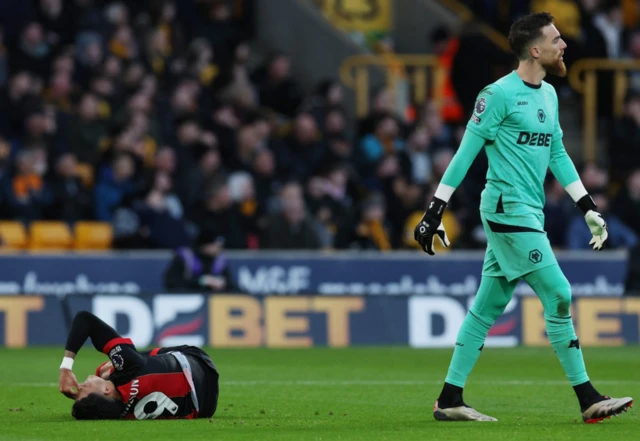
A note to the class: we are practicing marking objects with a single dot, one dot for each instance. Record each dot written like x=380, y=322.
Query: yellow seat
x=92, y=235
x=13, y=235
x=45, y=235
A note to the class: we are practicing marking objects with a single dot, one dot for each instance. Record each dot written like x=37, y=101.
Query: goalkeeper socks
x=587, y=395
x=554, y=291
x=451, y=396
x=567, y=347
x=493, y=296
x=469, y=344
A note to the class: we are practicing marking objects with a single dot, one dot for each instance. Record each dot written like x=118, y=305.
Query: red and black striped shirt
x=152, y=386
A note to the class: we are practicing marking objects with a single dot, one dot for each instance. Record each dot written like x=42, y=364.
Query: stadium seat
x=92, y=235
x=13, y=235
x=49, y=236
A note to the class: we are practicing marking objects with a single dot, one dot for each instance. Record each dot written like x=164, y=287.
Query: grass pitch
x=338, y=394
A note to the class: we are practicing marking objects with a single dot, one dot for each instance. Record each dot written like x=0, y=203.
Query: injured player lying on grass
x=164, y=383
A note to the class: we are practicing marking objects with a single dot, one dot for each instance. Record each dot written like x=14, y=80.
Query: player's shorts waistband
x=188, y=373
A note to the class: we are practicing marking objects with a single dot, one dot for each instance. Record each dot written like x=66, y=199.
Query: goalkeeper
x=515, y=119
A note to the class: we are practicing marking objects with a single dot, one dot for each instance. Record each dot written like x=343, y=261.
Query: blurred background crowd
x=158, y=117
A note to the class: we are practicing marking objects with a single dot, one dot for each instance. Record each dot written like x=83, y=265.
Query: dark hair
x=527, y=29
x=96, y=406
x=441, y=33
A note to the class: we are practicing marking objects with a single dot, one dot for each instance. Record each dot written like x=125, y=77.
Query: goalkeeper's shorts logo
x=535, y=256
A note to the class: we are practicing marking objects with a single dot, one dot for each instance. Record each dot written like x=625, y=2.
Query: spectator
x=200, y=268
x=291, y=227
x=370, y=231
x=189, y=187
x=445, y=46
x=114, y=185
x=219, y=213
x=414, y=160
x=15, y=100
x=242, y=190
x=263, y=169
x=377, y=148
x=71, y=200
x=620, y=235
x=161, y=221
x=277, y=90
x=302, y=151
x=329, y=201
x=558, y=211
x=28, y=195
x=627, y=204
x=625, y=142
x=329, y=94
x=86, y=130
x=33, y=53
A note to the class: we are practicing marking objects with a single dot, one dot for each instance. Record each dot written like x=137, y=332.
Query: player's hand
x=431, y=226
x=105, y=369
x=598, y=228
x=213, y=282
x=68, y=383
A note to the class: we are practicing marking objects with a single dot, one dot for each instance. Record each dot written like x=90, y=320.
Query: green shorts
x=516, y=245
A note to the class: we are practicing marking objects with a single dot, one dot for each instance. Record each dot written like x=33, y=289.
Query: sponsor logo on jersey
x=481, y=104
x=534, y=139
x=523, y=103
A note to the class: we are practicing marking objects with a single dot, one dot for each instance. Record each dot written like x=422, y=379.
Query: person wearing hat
x=200, y=268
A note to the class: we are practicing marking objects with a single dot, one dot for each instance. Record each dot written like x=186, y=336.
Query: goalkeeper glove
x=595, y=222
x=430, y=226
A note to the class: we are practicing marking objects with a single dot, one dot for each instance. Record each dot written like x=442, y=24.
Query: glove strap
x=436, y=207
x=585, y=203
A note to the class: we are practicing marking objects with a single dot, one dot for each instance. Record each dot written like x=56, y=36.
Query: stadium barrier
x=297, y=273
x=423, y=72
x=583, y=77
x=305, y=321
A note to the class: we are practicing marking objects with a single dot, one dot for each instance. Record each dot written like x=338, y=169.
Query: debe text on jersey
x=535, y=139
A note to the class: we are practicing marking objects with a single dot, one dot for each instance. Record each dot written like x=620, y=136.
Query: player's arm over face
x=121, y=352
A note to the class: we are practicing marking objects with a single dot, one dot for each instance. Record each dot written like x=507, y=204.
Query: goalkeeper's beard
x=557, y=68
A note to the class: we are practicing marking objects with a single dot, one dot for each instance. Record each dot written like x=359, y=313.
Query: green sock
x=493, y=296
x=554, y=290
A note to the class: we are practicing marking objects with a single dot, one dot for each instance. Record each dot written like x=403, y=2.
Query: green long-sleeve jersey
x=517, y=124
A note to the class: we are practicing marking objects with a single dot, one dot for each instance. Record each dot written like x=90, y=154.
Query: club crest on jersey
x=541, y=115
x=481, y=104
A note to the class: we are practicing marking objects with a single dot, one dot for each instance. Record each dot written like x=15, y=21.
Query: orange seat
x=13, y=235
x=45, y=235
x=92, y=235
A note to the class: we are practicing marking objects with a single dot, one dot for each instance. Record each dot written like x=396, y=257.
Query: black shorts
x=205, y=379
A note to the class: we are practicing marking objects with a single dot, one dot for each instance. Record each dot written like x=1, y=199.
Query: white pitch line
x=329, y=383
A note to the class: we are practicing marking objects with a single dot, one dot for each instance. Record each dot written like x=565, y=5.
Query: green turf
x=338, y=394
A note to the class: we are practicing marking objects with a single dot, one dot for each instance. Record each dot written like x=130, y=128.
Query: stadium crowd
x=152, y=115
